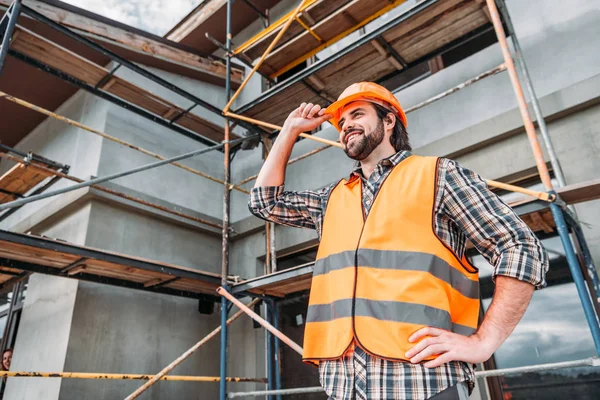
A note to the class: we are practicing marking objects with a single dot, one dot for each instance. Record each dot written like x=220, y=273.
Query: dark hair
x=399, y=138
x=2, y=360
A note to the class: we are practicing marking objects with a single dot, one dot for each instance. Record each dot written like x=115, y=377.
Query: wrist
x=289, y=130
x=487, y=342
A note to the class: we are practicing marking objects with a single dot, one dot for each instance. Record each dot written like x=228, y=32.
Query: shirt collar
x=390, y=161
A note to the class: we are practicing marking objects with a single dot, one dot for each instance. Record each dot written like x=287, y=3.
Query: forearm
x=272, y=172
x=510, y=300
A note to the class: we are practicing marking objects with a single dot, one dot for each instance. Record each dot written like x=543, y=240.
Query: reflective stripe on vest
x=381, y=279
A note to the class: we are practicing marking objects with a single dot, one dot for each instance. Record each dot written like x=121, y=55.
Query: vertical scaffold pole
x=270, y=378
x=557, y=169
x=277, y=349
x=557, y=212
x=226, y=205
x=578, y=278
x=10, y=19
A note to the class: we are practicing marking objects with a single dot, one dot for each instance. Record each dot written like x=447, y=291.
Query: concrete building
x=72, y=325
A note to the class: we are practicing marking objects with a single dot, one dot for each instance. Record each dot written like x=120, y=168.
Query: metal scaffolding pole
x=105, y=190
x=106, y=136
x=556, y=167
x=109, y=97
x=105, y=376
x=128, y=64
x=557, y=212
x=95, y=181
x=10, y=20
x=269, y=339
x=226, y=214
x=587, y=362
x=186, y=355
x=277, y=348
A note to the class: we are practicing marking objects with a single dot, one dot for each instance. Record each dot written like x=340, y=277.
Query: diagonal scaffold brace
x=187, y=354
x=117, y=175
x=79, y=125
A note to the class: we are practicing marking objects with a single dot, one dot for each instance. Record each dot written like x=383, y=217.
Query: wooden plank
x=49, y=258
x=423, y=33
x=35, y=46
x=446, y=31
x=311, y=16
x=383, y=52
x=580, y=192
x=329, y=29
x=204, y=127
x=20, y=179
x=430, y=31
x=65, y=60
x=131, y=40
x=422, y=19
x=11, y=270
x=283, y=98
x=194, y=20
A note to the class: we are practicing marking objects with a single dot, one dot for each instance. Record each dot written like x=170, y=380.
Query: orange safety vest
x=379, y=279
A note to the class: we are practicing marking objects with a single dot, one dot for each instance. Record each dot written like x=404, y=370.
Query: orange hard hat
x=367, y=91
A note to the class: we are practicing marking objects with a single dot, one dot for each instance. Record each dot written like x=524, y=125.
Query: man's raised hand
x=305, y=118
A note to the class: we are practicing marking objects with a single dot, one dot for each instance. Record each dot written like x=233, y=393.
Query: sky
x=154, y=16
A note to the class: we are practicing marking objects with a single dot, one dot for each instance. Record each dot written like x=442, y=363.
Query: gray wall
x=45, y=327
x=75, y=326
x=556, y=37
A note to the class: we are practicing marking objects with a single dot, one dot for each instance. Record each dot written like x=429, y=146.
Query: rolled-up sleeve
x=303, y=209
x=495, y=230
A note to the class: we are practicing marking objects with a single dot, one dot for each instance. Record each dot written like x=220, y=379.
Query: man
x=394, y=303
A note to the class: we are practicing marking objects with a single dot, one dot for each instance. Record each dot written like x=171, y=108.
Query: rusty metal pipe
x=185, y=355
x=264, y=56
x=514, y=78
x=112, y=192
x=96, y=375
x=293, y=160
x=260, y=320
x=79, y=125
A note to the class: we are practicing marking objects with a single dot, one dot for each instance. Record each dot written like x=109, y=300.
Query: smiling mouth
x=352, y=136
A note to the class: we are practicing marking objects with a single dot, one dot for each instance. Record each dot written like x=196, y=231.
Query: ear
x=389, y=120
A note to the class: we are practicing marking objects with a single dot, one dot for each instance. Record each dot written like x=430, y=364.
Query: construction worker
x=394, y=303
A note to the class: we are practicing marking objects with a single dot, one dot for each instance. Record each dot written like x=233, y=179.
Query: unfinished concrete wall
x=479, y=126
x=64, y=144
x=45, y=327
x=89, y=327
x=483, y=112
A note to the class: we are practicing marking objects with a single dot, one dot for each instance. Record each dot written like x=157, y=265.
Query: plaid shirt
x=464, y=209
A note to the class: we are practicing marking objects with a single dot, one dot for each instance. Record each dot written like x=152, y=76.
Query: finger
x=422, y=345
x=443, y=359
x=324, y=118
x=301, y=108
x=314, y=110
x=321, y=111
x=306, y=110
x=429, y=352
x=427, y=331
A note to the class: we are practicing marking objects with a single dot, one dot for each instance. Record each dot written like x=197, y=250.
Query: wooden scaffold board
x=37, y=47
x=21, y=254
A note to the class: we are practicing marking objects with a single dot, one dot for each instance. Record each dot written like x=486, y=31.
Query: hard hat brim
x=335, y=109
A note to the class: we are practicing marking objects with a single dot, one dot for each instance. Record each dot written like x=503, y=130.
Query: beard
x=361, y=147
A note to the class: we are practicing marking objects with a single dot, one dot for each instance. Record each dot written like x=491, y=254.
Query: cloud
x=553, y=329
x=154, y=16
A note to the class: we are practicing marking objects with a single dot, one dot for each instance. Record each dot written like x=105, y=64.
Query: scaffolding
x=545, y=210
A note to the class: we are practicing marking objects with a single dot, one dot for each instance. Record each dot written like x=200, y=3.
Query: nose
x=347, y=125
